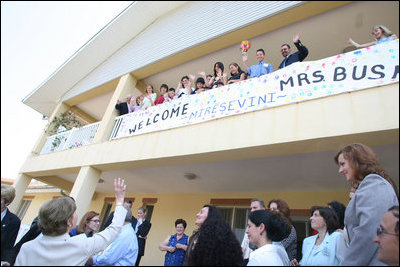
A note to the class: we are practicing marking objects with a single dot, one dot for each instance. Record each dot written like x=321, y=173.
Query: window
x=148, y=204
x=105, y=213
x=149, y=209
x=237, y=219
x=23, y=208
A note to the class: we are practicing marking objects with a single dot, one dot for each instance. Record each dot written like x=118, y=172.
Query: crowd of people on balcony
x=190, y=85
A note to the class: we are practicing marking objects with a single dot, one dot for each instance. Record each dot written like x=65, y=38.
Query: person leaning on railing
x=381, y=35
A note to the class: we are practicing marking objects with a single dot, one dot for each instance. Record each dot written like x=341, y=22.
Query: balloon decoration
x=244, y=46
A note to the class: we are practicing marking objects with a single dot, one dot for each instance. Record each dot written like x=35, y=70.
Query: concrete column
x=20, y=185
x=61, y=107
x=84, y=188
x=125, y=87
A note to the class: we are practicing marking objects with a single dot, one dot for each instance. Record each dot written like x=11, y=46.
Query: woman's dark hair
x=216, y=243
x=180, y=221
x=330, y=217
x=283, y=207
x=200, y=80
x=220, y=65
x=277, y=226
x=213, y=213
x=184, y=77
x=165, y=86
x=340, y=209
x=237, y=66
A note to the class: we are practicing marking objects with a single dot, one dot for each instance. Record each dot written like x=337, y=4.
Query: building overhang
x=119, y=32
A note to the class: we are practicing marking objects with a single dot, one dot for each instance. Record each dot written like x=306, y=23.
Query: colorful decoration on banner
x=245, y=46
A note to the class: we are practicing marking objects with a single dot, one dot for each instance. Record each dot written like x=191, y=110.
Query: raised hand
x=119, y=189
x=245, y=58
x=296, y=37
x=350, y=41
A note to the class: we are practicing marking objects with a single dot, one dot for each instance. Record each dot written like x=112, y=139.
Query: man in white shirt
x=123, y=251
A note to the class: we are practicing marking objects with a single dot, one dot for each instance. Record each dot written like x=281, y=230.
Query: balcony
x=75, y=137
x=299, y=82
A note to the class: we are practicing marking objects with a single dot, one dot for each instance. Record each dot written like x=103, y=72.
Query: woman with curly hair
x=375, y=193
x=214, y=243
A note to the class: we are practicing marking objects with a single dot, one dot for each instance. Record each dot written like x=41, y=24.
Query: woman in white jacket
x=55, y=247
x=322, y=249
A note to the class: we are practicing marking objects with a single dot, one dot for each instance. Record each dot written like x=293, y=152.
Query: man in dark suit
x=10, y=224
x=123, y=107
x=33, y=232
x=299, y=56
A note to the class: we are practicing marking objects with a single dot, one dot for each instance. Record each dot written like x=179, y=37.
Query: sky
x=37, y=37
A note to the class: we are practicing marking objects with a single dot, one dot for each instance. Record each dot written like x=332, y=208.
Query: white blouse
x=269, y=255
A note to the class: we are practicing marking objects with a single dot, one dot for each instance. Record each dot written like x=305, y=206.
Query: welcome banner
x=369, y=67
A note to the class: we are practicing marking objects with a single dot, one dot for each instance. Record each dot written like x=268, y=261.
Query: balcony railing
x=75, y=137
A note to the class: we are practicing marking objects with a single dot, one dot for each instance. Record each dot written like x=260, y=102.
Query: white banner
x=369, y=67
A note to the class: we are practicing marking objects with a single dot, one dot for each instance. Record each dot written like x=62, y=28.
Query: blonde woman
x=381, y=35
x=149, y=97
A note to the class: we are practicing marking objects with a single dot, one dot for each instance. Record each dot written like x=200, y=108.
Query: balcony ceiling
x=299, y=172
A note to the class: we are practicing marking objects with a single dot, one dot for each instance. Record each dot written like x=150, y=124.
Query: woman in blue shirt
x=175, y=245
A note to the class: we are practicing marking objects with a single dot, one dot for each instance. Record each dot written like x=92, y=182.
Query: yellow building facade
x=276, y=150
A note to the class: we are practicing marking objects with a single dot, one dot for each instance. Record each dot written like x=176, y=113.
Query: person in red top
x=163, y=91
